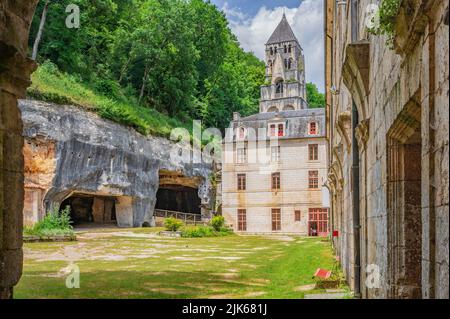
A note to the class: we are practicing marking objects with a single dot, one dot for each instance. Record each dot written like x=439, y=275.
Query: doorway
x=318, y=222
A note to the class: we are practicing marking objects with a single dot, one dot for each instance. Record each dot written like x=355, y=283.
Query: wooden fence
x=188, y=219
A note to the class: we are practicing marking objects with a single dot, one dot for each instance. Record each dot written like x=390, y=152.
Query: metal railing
x=187, y=218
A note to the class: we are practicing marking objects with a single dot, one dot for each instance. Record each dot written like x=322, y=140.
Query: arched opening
x=87, y=209
x=279, y=86
x=288, y=108
x=272, y=109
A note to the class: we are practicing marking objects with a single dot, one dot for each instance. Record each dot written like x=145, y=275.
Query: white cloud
x=306, y=21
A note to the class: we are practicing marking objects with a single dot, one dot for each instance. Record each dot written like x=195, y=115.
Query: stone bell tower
x=285, y=88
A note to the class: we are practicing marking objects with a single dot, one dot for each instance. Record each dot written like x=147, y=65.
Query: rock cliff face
x=99, y=157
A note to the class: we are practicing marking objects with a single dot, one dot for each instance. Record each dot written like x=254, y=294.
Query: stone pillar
x=15, y=70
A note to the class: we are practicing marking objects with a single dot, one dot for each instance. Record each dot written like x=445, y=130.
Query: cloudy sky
x=253, y=21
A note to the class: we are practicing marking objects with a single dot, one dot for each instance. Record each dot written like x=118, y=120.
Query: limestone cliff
x=70, y=150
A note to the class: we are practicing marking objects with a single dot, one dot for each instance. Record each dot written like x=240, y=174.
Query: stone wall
x=15, y=69
x=98, y=157
x=401, y=99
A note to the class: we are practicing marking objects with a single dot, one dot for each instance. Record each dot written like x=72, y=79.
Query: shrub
x=173, y=224
x=217, y=222
x=53, y=223
x=204, y=231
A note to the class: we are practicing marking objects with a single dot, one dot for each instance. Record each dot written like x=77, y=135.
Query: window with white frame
x=241, y=132
x=277, y=129
x=241, y=155
x=275, y=153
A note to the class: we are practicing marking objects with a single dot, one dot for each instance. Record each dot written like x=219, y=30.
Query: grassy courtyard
x=137, y=263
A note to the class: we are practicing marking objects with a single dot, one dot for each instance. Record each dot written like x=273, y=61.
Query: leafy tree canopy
x=178, y=57
x=314, y=97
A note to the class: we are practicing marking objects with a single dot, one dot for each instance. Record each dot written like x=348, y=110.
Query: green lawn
x=136, y=263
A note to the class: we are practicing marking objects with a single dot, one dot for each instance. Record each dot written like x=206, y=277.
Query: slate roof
x=296, y=122
x=283, y=33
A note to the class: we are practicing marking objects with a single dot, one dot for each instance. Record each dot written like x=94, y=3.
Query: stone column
x=15, y=70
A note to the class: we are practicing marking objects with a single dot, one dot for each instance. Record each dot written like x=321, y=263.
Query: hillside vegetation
x=150, y=64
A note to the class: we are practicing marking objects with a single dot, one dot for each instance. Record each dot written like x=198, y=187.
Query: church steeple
x=282, y=33
x=285, y=71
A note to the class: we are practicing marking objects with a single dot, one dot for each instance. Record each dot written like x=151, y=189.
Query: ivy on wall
x=383, y=21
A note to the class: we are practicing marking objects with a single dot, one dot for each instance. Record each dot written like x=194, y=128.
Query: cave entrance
x=91, y=209
x=178, y=198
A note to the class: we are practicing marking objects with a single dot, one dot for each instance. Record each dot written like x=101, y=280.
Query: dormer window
x=241, y=133
x=313, y=128
x=277, y=130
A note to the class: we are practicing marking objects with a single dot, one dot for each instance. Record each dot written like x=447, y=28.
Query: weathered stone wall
x=15, y=69
x=99, y=157
x=397, y=93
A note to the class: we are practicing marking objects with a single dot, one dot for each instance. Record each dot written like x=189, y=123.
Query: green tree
x=314, y=97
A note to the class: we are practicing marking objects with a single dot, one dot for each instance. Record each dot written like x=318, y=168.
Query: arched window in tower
x=279, y=87
x=271, y=50
x=286, y=66
x=270, y=66
x=285, y=48
x=290, y=48
x=290, y=63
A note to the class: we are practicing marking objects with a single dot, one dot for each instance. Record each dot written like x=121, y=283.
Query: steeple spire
x=283, y=32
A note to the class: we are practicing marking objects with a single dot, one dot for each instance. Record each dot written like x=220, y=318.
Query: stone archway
x=15, y=70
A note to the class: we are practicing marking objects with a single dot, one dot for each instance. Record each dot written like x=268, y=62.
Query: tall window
x=285, y=48
x=241, y=182
x=275, y=153
x=279, y=87
x=313, y=180
x=313, y=152
x=242, y=220
x=280, y=130
x=286, y=63
x=276, y=181
x=290, y=48
x=289, y=64
x=298, y=216
x=276, y=219
x=312, y=128
x=242, y=155
x=271, y=51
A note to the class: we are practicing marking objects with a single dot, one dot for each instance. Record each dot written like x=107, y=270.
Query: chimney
x=236, y=116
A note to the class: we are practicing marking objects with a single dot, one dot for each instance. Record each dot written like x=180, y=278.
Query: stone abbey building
x=274, y=162
x=387, y=110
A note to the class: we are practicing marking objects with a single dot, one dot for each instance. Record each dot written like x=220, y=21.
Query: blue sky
x=253, y=21
x=251, y=7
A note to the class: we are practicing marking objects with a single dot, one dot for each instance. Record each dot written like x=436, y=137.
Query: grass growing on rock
x=51, y=85
x=137, y=263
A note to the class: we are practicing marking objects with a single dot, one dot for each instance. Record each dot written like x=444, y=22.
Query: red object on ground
x=323, y=273
x=335, y=233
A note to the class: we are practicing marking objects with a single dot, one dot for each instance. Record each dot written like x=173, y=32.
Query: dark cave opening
x=178, y=199
x=90, y=209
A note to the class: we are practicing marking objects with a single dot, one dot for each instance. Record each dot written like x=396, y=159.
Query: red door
x=318, y=222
